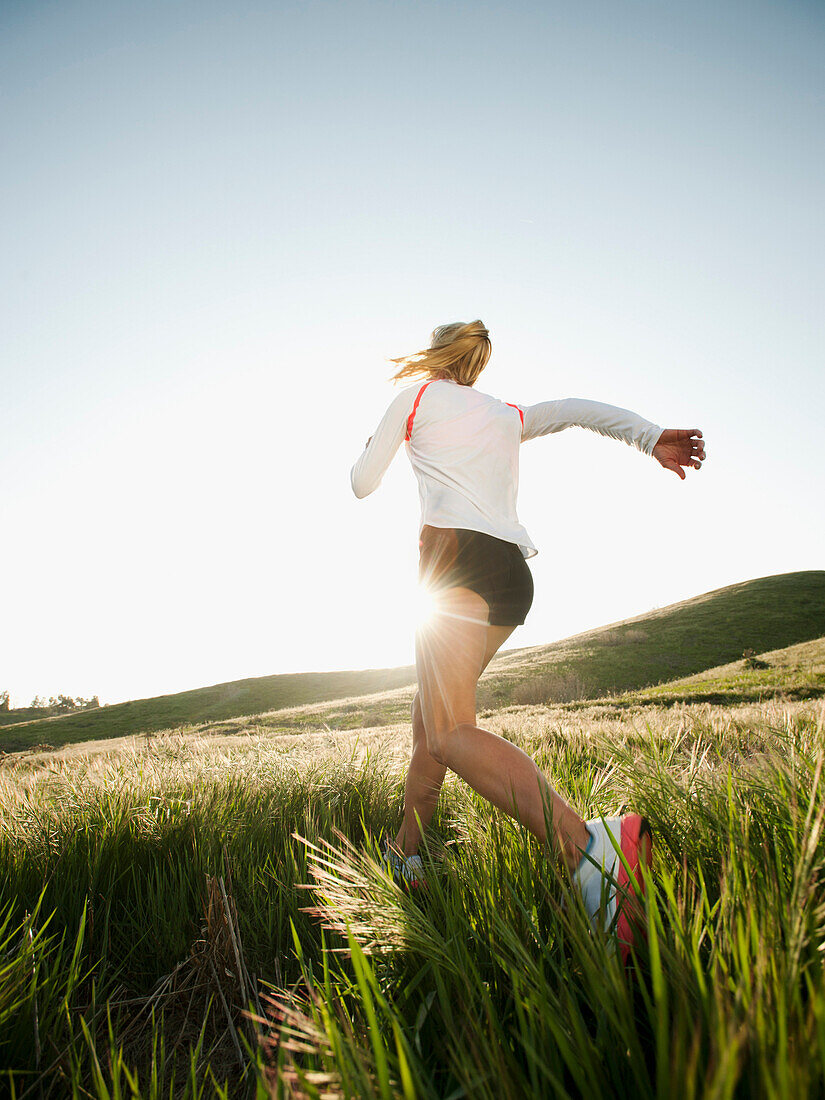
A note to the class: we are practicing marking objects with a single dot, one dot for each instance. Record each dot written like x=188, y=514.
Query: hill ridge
x=715, y=627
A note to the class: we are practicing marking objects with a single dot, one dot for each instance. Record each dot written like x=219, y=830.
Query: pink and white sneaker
x=611, y=894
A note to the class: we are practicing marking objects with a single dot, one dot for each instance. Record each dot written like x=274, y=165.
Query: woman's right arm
x=609, y=420
x=381, y=447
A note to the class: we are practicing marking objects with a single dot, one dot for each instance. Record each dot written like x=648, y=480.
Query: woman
x=464, y=447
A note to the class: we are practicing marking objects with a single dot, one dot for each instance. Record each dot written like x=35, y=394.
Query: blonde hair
x=458, y=351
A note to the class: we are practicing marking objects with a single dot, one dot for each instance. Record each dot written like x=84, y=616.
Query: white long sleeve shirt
x=464, y=449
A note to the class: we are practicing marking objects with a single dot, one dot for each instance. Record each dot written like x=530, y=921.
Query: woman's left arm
x=673, y=448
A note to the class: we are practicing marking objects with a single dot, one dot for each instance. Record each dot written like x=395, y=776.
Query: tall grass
x=189, y=919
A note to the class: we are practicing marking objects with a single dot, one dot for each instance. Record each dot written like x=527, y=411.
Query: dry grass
x=175, y=757
x=187, y=873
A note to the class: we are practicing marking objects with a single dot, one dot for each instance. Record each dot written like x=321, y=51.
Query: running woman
x=464, y=448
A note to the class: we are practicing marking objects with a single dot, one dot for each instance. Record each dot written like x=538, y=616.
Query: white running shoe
x=609, y=893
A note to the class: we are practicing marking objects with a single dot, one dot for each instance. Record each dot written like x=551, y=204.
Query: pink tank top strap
x=518, y=410
x=411, y=417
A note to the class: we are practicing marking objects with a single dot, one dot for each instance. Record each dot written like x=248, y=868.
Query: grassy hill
x=678, y=641
x=189, y=873
x=209, y=704
x=673, y=642
x=795, y=672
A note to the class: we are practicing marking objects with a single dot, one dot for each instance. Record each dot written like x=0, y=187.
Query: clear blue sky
x=221, y=219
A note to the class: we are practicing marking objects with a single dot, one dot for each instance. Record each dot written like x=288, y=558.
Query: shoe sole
x=637, y=849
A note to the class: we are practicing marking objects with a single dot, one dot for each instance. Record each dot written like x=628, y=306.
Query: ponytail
x=457, y=351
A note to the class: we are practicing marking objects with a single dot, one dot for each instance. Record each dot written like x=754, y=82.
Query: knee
x=435, y=747
x=435, y=740
x=441, y=744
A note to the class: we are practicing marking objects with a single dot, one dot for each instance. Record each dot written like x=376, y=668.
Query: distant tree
x=86, y=704
x=62, y=704
x=4, y=700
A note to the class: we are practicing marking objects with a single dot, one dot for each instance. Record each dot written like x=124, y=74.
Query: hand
x=678, y=448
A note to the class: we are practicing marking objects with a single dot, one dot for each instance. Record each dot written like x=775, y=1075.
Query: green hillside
x=673, y=642
x=795, y=672
x=209, y=704
x=676, y=641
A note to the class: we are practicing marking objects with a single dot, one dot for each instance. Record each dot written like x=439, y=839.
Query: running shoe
x=611, y=894
x=407, y=871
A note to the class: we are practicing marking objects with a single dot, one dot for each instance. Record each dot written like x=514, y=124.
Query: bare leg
x=506, y=776
x=424, y=779
x=449, y=659
x=426, y=774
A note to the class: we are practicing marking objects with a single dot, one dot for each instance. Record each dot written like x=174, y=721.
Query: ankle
x=404, y=846
x=402, y=849
x=576, y=844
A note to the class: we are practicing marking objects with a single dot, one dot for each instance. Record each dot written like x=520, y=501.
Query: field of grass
x=686, y=638
x=201, y=912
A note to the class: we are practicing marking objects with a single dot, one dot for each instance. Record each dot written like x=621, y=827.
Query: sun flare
x=426, y=605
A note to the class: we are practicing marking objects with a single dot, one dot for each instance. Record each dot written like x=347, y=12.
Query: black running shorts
x=455, y=558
